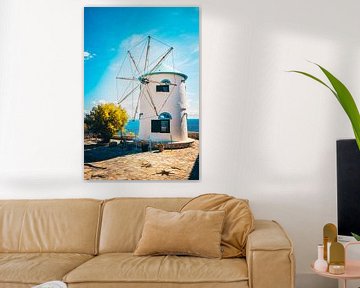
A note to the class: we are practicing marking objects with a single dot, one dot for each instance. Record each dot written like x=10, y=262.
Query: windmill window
x=160, y=126
x=165, y=115
x=162, y=88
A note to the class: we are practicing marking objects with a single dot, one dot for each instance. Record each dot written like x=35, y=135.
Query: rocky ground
x=129, y=163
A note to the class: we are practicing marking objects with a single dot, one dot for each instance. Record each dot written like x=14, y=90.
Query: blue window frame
x=165, y=115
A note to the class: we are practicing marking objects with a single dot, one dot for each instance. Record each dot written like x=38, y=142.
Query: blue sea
x=133, y=126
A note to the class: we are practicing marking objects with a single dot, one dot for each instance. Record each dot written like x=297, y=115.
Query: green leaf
x=356, y=236
x=344, y=97
x=357, y=137
x=347, y=102
x=314, y=78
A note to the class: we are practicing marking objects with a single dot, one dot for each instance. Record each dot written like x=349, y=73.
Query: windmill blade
x=162, y=59
x=146, y=98
x=167, y=98
x=147, y=54
x=137, y=104
x=130, y=84
x=126, y=78
x=127, y=95
x=133, y=61
x=152, y=100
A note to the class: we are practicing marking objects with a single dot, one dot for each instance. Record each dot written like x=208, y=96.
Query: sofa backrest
x=67, y=226
x=123, y=220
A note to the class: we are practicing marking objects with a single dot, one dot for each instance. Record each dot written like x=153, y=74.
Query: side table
x=352, y=268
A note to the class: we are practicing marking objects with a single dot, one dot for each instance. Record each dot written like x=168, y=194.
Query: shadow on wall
x=194, y=175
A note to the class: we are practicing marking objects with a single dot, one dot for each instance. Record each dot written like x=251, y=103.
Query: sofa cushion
x=239, y=220
x=193, y=232
x=63, y=226
x=126, y=268
x=36, y=268
x=123, y=220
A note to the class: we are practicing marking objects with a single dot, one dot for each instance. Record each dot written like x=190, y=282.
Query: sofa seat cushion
x=36, y=268
x=127, y=268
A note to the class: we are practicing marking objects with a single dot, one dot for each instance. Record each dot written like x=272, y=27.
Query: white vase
x=320, y=264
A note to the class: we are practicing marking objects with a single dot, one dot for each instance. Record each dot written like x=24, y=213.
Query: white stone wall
x=173, y=102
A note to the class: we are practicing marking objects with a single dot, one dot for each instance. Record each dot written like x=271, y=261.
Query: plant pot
x=161, y=147
x=144, y=147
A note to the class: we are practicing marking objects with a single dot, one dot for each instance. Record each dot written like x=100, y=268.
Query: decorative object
x=329, y=236
x=337, y=258
x=344, y=273
x=334, y=251
x=336, y=269
x=320, y=264
x=149, y=57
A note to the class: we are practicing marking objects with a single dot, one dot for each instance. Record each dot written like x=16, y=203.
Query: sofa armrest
x=269, y=256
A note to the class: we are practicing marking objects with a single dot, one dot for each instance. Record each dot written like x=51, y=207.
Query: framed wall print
x=141, y=93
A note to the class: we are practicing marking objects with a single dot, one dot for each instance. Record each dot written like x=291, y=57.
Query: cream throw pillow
x=238, y=223
x=193, y=232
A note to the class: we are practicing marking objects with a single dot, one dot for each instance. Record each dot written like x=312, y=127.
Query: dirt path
x=180, y=164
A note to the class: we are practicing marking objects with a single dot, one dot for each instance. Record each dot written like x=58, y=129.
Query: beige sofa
x=89, y=243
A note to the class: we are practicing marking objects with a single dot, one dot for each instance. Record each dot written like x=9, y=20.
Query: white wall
x=266, y=135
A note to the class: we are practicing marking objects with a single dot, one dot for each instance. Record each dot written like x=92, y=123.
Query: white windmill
x=148, y=77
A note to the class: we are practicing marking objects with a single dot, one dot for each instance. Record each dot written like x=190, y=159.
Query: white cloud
x=99, y=102
x=88, y=55
x=131, y=41
x=186, y=62
x=134, y=39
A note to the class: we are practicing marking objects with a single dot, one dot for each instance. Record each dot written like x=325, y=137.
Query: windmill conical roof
x=165, y=69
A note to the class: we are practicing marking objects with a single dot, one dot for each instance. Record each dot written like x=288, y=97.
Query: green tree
x=106, y=119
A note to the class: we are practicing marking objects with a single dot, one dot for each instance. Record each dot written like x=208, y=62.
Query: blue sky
x=111, y=31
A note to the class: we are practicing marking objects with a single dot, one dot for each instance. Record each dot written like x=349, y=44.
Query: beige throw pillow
x=196, y=233
x=239, y=220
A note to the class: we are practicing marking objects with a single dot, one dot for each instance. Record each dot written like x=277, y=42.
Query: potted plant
x=161, y=147
x=357, y=237
x=346, y=100
x=144, y=146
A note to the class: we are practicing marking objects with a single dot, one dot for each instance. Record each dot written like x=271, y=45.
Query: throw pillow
x=239, y=220
x=196, y=233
